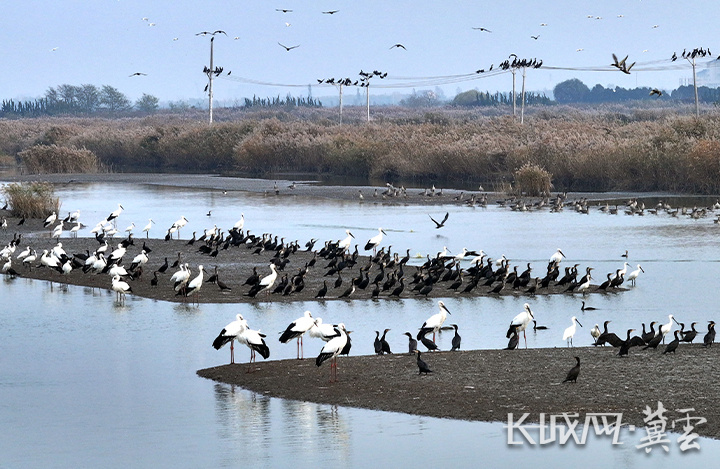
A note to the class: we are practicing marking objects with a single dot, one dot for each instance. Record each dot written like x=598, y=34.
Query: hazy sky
x=102, y=42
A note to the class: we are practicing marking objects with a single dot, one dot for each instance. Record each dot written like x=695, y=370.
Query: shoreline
x=487, y=385
x=236, y=264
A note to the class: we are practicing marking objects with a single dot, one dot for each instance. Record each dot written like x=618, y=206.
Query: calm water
x=85, y=382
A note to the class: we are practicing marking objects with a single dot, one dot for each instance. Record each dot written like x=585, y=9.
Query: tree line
x=575, y=91
x=80, y=100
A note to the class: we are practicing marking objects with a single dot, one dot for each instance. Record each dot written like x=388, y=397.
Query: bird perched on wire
x=574, y=372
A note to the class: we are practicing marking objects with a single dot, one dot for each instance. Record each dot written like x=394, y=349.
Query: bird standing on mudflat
x=574, y=372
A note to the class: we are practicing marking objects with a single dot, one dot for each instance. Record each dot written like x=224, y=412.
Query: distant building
x=709, y=76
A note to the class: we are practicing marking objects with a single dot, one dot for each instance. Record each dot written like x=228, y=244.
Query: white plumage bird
x=322, y=331
x=434, y=322
x=296, y=329
x=194, y=285
x=229, y=334
x=570, y=331
x=240, y=223
x=147, y=228
x=121, y=288
x=632, y=276
x=557, y=257
x=520, y=322
x=332, y=349
x=375, y=241
x=345, y=243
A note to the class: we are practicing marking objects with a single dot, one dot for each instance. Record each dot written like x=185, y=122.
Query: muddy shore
x=236, y=264
x=486, y=385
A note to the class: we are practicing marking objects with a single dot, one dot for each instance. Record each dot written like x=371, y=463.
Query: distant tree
x=425, y=98
x=147, y=103
x=113, y=100
x=571, y=91
x=88, y=98
x=69, y=95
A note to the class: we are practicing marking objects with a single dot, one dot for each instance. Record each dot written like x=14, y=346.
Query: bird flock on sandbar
x=460, y=273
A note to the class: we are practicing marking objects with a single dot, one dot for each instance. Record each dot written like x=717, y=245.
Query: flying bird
x=284, y=10
x=655, y=91
x=535, y=37
x=442, y=223
x=330, y=12
x=289, y=48
x=483, y=29
x=138, y=74
x=398, y=46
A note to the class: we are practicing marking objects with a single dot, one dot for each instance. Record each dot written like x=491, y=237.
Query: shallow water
x=87, y=382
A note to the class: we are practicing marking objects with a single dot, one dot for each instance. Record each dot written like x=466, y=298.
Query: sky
x=102, y=42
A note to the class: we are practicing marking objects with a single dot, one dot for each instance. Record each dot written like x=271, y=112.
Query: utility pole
x=513, y=90
x=367, y=98
x=341, y=103
x=522, y=102
x=697, y=106
x=210, y=76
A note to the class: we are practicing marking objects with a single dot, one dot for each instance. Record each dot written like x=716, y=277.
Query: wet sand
x=486, y=385
x=234, y=266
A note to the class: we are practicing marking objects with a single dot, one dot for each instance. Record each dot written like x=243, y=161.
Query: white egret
x=570, y=331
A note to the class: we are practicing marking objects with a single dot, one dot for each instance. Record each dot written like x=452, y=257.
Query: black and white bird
x=520, y=323
x=434, y=322
x=296, y=329
x=332, y=349
x=229, y=334
x=375, y=241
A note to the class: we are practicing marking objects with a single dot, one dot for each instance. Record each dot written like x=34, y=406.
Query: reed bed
x=31, y=199
x=601, y=149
